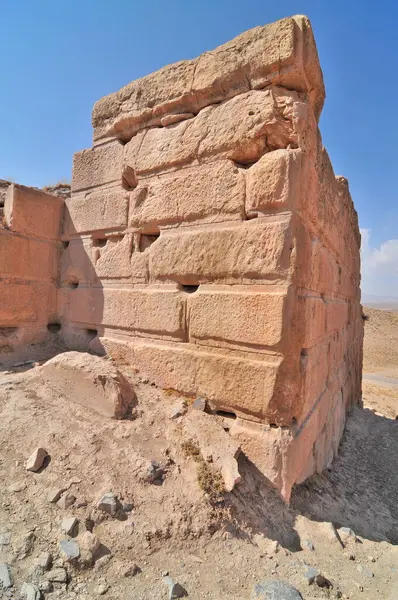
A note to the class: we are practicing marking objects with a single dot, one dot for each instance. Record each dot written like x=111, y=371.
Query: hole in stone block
x=99, y=242
x=54, y=327
x=7, y=332
x=92, y=333
x=73, y=283
x=188, y=289
x=273, y=426
x=65, y=245
x=226, y=414
x=147, y=240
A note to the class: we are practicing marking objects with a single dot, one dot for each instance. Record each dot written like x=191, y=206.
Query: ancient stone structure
x=209, y=244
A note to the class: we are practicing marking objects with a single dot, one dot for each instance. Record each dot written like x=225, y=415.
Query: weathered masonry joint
x=208, y=244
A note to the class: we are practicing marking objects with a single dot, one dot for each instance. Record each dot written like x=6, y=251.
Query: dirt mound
x=169, y=518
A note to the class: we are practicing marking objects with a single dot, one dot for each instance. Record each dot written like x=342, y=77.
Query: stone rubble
x=36, y=460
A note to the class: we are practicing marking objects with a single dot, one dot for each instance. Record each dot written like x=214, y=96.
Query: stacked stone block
x=29, y=253
x=209, y=244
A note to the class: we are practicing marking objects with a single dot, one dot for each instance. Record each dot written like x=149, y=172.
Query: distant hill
x=380, y=350
x=380, y=302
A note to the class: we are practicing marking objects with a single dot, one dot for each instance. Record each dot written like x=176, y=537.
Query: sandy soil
x=215, y=550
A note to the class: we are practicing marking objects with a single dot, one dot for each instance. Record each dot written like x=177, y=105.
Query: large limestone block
x=252, y=251
x=274, y=181
x=146, y=312
x=241, y=129
x=90, y=381
x=281, y=53
x=24, y=258
x=98, y=166
x=229, y=317
x=24, y=209
x=209, y=193
x=31, y=302
x=244, y=385
x=312, y=311
x=96, y=211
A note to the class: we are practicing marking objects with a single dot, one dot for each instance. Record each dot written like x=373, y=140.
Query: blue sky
x=58, y=58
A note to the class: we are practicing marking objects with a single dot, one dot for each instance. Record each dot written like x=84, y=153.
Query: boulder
x=275, y=590
x=91, y=381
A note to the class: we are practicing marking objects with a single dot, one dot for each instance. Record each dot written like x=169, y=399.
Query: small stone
x=5, y=539
x=29, y=591
x=18, y=486
x=23, y=545
x=310, y=574
x=131, y=571
x=89, y=546
x=102, y=562
x=58, y=575
x=153, y=472
x=179, y=409
x=322, y=582
x=110, y=504
x=69, y=549
x=345, y=533
x=128, y=507
x=267, y=546
x=45, y=586
x=365, y=571
x=44, y=560
x=371, y=559
x=275, y=590
x=175, y=589
x=102, y=588
x=55, y=494
x=66, y=501
x=68, y=525
x=5, y=576
x=309, y=545
x=199, y=403
x=36, y=460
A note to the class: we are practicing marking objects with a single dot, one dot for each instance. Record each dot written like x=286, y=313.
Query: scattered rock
x=322, y=582
x=128, y=507
x=89, y=546
x=345, y=533
x=18, y=486
x=110, y=504
x=29, y=591
x=330, y=532
x=5, y=576
x=5, y=539
x=23, y=545
x=131, y=571
x=199, y=404
x=175, y=589
x=66, y=501
x=101, y=589
x=91, y=381
x=68, y=525
x=36, y=460
x=102, y=562
x=57, y=575
x=69, y=549
x=215, y=445
x=309, y=545
x=152, y=472
x=310, y=574
x=44, y=560
x=275, y=590
x=365, y=571
x=55, y=494
x=45, y=586
x=179, y=409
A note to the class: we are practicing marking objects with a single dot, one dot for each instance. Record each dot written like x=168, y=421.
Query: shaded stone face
x=208, y=243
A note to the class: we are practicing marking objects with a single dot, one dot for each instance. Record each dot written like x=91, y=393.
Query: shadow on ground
x=360, y=490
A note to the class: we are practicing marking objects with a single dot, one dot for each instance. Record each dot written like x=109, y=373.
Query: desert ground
x=173, y=522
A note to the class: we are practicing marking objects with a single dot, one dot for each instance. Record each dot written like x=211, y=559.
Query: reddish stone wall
x=212, y=247
x=29, y=247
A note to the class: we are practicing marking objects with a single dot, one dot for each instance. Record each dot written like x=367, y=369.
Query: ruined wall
x=29, y=249
x=209, y=244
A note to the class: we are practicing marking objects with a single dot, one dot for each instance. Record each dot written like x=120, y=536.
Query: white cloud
x=379, y=267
